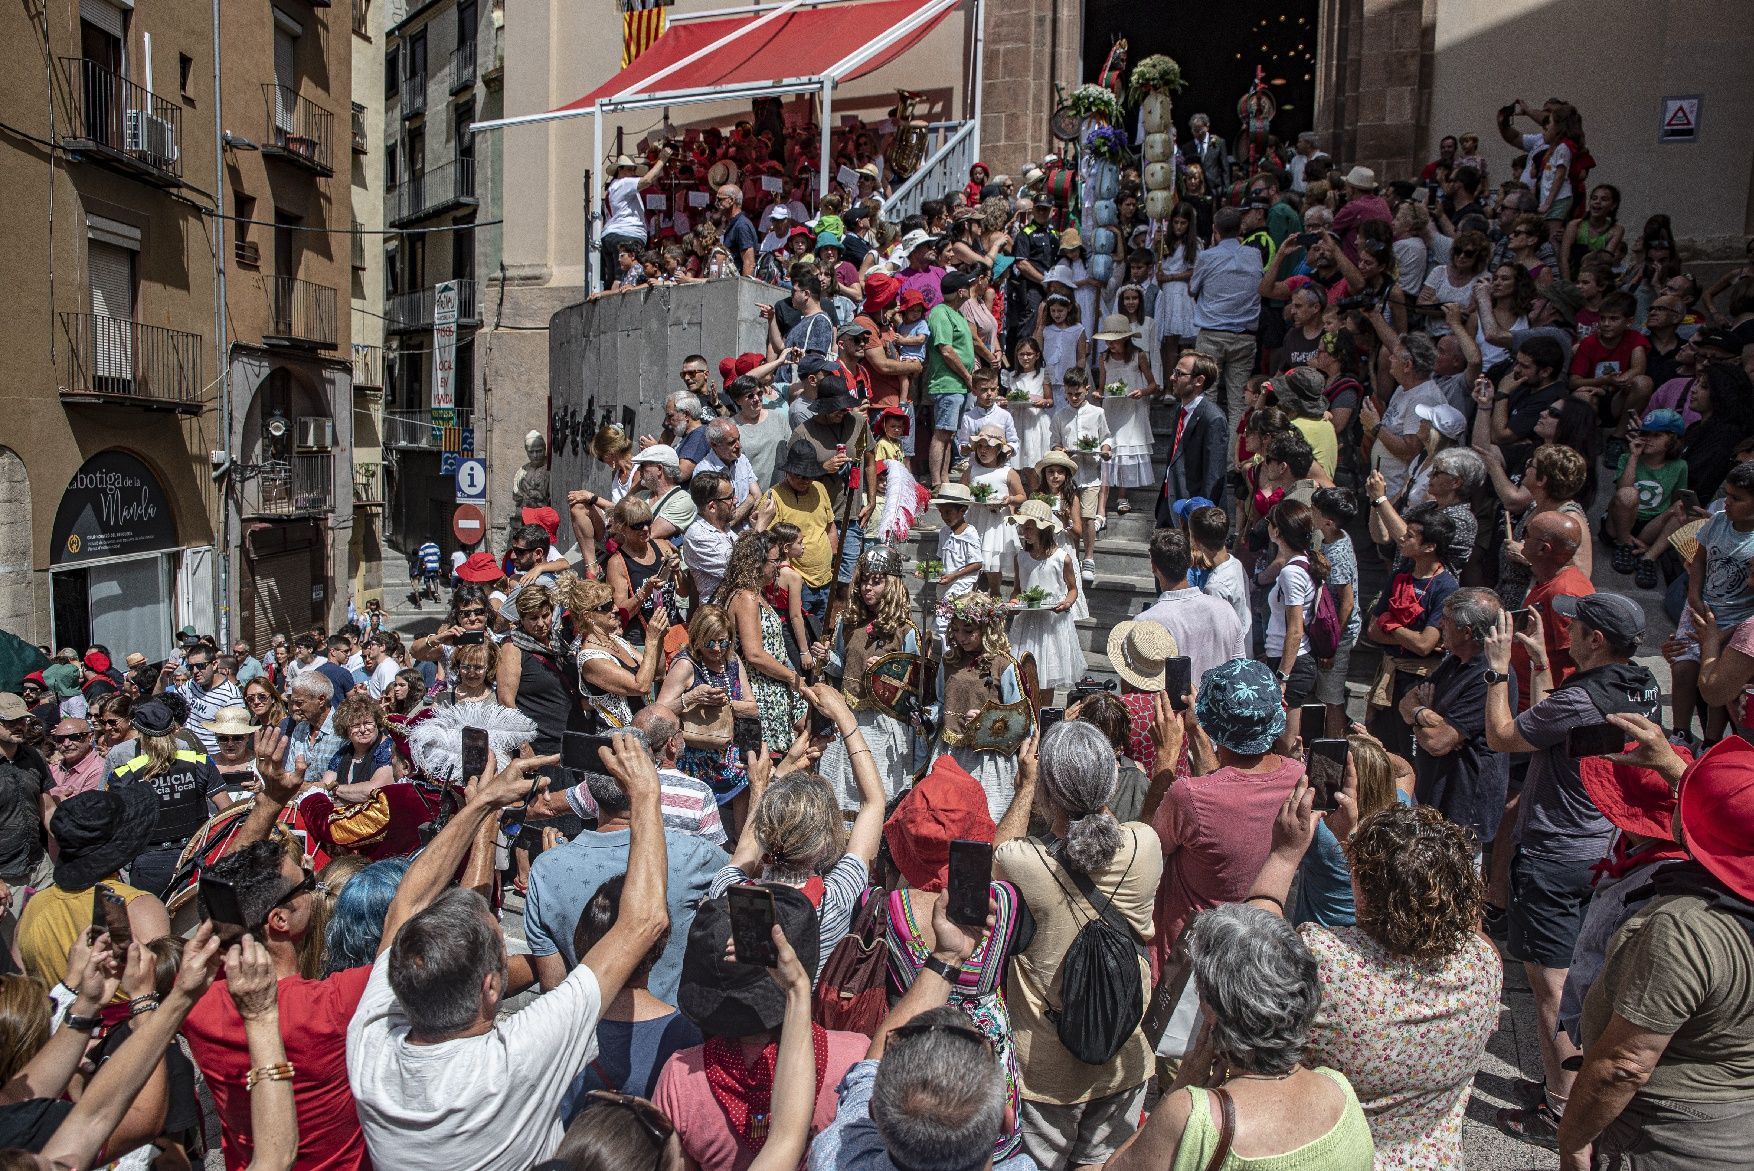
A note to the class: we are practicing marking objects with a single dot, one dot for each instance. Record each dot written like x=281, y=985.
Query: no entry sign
x=469, y=524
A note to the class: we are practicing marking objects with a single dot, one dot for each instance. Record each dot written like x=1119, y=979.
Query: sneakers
x=1124, y=507
x=1646, y=574
x=1089, y=571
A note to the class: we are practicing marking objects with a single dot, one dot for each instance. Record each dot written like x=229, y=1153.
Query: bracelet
x=1274, y=899
x=82, y=1024
x=939, y=968
x=145, y=1004
x=281, y=1072
x=149, y=998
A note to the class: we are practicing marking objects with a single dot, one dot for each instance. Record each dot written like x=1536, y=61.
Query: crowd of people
x=488, y=897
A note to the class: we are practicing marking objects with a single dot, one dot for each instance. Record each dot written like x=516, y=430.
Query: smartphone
x=578, y=751
x=1314, y=721
x=1519, y=614
x=1688, y=498
x=530, y=841
x=1594, y=740
x=109, y=912
x=971, y=873
x=474, y=753
x=221, y=901
x=1178, y=677
x=746, y=733
x=470, y=637
x=1305, y=239
x=1325, y=761
x=821, y=724
x=752, y=920
x=1048, y=718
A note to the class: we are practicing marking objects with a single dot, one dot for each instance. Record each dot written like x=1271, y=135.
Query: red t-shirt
x=313, y=1023
x=1555, y=629
x=1595, y=360
x=885, y=388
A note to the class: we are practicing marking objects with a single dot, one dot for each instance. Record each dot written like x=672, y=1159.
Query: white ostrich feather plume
x=436, y=743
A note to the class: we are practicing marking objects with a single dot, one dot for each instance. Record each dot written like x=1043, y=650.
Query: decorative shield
x=1000, y=727
x=892, y=684
x=1063, y=124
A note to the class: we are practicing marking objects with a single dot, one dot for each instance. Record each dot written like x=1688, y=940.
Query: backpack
x=852, y=993
x=1321, y=622
x=1101, y=1000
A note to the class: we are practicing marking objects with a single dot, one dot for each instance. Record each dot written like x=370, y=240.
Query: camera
x=1356, y=301
x=1088, y=687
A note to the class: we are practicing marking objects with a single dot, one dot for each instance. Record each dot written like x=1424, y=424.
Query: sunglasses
x=717, y=644
x=304, y=886
x=1465, y=253
x=71, y=737
x=258, y=698
x=656, y=1125
x=229, y=738
x=472, y=612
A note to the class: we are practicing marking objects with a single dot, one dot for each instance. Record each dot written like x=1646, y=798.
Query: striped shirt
x=204, y=705
x=688, y=805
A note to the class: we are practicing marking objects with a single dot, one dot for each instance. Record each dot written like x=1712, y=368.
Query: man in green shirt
x=1282, y=219
x=949, y=369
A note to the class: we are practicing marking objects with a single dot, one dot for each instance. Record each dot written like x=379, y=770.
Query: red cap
x=748, y=361
x=945, y=805
x=480, y=568
x=1717, y=813
x=801, y=230
x=1637, y=800
x=37, y=678
x=880, y=289
x=727, y=370
x=910, y=299
x=544, y=516
x=97, y=661
x=895, y=413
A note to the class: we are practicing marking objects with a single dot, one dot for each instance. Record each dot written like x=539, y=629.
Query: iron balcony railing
x=412, y=311
x=414, y=94
x=430, y=192
x=113, y=358
x=415, y=429
x=368, y=366
x=368, y=485
x=120, y=122
x=302, y=486
x=301, y=312
x=360, y=143
x=463, y=65
x=357, y=246
x=298, y=129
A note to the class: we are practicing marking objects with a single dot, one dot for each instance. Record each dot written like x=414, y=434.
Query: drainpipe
x=221, y=346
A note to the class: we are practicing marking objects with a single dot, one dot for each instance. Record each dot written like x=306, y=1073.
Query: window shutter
x=112, y=308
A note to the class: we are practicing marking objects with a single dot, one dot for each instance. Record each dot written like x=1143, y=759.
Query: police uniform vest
x=182, y=795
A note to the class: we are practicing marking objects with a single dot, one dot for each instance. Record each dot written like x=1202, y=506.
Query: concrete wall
x=1031, y=44
x=1614, y=60
x=624, y=351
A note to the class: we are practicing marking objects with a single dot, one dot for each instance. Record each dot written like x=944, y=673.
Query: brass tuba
x=909, y=147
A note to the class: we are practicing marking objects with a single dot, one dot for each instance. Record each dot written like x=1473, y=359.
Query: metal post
x=980, y=52
x=222, y=545
x=822, y=167
x=594, y=214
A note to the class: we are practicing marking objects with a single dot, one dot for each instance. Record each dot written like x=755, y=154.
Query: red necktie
x=1181, y=422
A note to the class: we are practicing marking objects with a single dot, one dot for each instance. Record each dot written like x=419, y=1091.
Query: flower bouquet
x=1096, y=101
x=1155, y=74
x=1033, y=598
x=1117, y=390
x=1046, y=498
x=1088, y=443
x=983, y=493
x=932, y=569
x=1017, y=395
x=1108, y=144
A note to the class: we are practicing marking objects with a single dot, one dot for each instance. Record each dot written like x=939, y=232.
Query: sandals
x=1124, y=507
x=1625, y=559
x=1536, y=1125
x=1646, y=575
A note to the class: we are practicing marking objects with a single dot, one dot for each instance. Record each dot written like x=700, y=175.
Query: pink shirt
x=83, y=777
x=1675, y=395
x=1216, y=832
x=705, y=1133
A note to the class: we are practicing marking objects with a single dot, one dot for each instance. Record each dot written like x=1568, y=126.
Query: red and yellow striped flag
x=639, y=28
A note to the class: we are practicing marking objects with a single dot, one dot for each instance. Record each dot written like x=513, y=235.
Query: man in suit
x=1205, y=149
x=1199, y=454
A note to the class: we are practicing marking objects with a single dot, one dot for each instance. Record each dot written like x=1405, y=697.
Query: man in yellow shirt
x=800, y=498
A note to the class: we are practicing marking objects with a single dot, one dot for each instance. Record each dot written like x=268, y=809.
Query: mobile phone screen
x=474, y=753
x=752, y=920
x=971, y=873
x=1594, y=740
x=578, y=751
x=1314, y=721
x=1178, y=677
x=1048, y=718
x=1326, y=762
x=820, y=724
x=222, y=906
x=746, y=733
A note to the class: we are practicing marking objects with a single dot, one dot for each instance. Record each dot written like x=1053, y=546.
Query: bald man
x=76, y=766
x=1549, y=546
x=689, y=804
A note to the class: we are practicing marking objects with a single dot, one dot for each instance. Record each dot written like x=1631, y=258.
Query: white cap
x=1444, y=417
x=659, y=453
x=914, y=239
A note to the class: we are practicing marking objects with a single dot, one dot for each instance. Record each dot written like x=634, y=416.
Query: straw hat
x=1138, y=650
x=620, y=161
x=953, y=493
x=1115, y=327
x=1071, y=239
x=724, y=173
x=231, y=721
x=1056, y=459
x=1362, y=178
x=1037, y=513
x=993, y=434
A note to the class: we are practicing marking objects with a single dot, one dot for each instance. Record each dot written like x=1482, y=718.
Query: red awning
x=803, y=43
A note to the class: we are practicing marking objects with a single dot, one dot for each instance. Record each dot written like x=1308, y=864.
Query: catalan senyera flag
x=642, y=22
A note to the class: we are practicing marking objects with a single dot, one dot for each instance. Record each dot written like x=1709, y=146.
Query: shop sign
x=114, y=507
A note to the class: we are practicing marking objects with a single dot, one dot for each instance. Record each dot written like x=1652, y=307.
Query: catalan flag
x=642, y=22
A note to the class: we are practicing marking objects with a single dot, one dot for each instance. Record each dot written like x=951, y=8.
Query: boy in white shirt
x=959, y=546
x=985, y=410
x=1209, y=530
x=1081, y=431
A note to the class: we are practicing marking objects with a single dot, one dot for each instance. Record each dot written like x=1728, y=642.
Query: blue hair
x=356, y=924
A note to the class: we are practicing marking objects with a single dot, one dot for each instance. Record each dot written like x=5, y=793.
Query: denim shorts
x=947, y=410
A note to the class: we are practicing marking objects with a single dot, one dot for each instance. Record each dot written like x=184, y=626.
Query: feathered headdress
x=903, y=498
x=436, y=743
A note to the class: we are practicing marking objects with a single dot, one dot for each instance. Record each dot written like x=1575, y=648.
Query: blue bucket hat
x=1185, y=507
x=1240, y=707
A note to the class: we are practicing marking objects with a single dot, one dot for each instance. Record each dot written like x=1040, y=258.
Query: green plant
x=1033, y=597
x=1017, y=396
x=1087, y=443
x=982, y=492
x=932, y=569
x=1156, y=72
x=1096, y=101
x=1046, y=498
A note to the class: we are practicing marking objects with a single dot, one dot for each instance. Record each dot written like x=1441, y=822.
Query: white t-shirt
x=1399, y=419
x=1293, y=587
x=1437, y=280
x=1531, y=144
x=627, y=215
x=489, y=1103
x=1230, y=581
x=1559, y=156
x=382, y=676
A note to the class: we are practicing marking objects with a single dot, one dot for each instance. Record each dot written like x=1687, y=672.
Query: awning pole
x=822, y=167
x=980, y=52
x=593, y=220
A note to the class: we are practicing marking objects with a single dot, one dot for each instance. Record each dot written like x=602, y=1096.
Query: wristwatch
x=1379, y=502
x=1492, y=676
x=939, y=967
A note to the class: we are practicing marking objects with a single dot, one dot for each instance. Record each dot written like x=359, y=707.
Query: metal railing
x=368, y=366
x=299, y=487
x=463, y=65
x=116, y=357
x=360, y=144
x=413, y=94
x=298, y=128
x=950, y=150
x=411, y=311
x=301, y=311
x=368, y=485
x=415, y=428
x=357, y=246
x=449, y=185
x=108, y=112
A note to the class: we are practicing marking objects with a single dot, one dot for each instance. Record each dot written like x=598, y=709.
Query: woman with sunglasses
x=466, y=623
x=264, y=705
x=234, y=730
x=640, y=569
x=109, y=720
x=708, y=687
x=1375, y=276
x=1453, y=283
x=611, y=670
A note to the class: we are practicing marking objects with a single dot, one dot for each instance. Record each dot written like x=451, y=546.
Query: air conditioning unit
x=153, y=137
x=315, y=434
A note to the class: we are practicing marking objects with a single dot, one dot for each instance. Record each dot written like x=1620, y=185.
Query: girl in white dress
x=1031, y=404
x=1064, y=344
x=1057, y=485
x=1129, y=412
x=1175, y=304
x=1130, y=303
x=989, y=466
x=1046, y=629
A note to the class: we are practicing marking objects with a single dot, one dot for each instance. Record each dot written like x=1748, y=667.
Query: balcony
x=463, y=66
x=301, y=313
x=416, y=430
x=357, y=247
x=114, y=360
x=413, y=311
x=361, y=145
x=362, y=10
x=303, y=486
x=119, y=125
x=431, y=192
x=299, y=130
x=414, y=94
x=368, y=367
x=368, y=485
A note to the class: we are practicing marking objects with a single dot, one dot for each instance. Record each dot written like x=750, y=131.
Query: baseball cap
x=1664, y=420
x=1185, y=507
x=915, y=239
x=658, y=453
x=1717, y=338
x=12, y=706
x=954, y=282
x=816, y=364
x=1444, y=417
x=853, y=329
x=1616, y=616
